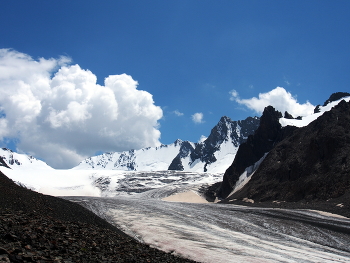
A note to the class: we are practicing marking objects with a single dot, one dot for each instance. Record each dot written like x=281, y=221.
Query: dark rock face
x=287, y=115
x=336, y=96
x=185, y=150
x=312, y=163
x=176, y=164
x=265, y=137
x=3, y=163
x=226, y=129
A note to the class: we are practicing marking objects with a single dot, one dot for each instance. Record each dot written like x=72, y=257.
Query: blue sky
x=198, y=60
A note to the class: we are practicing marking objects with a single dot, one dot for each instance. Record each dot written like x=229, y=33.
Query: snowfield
x=104, y=183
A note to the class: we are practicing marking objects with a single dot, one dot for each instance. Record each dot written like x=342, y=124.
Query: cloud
x=234, y=95
x=279, y=98
x=197, y=118
x=177, y=113
x=202, y=139
x=59, y=113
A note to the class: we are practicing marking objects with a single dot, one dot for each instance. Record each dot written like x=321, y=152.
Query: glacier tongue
x=104, y=183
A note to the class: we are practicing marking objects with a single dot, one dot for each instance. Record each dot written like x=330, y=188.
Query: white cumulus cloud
x=197, y=117
x=59, y=113
x=279, y=98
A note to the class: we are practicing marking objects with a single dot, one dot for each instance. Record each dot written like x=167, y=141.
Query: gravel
x=41, y=228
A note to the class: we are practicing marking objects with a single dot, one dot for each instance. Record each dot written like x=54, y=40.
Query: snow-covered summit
x=19, y=161
x=214, y=154
x=304, y=121
x=146, y=159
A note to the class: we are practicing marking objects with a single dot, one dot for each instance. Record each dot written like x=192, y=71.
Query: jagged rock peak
x=225, y=119
x=336, y=96
x=268, y=133
x=270, y=114
x=8, y=150
x=178, y=142
x=225, y=132
x=287, y=115
x=269, y=123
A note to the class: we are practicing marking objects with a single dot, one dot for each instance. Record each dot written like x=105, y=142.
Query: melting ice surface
x=226, y=233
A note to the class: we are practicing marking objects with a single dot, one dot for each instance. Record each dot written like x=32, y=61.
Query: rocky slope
x=266, y=136
x=40, y=228
x=308, y=164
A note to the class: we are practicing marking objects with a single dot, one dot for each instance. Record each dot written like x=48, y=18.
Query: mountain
x=14, y=160
x=308, y=161
x=212, y=155
x=253, y=150
x=135, y=171
x=34, y=174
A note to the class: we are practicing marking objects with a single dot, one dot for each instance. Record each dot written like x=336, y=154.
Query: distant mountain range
x=213, y=155
x=136, y=171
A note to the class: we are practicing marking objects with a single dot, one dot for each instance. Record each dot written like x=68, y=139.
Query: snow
x=310, y=118
x=90, y=182
x=57, y=182
x=147, y=159
x=22, y=161
x=224, y=157
x=160, y=158
x=245, y=177
x=38, y=176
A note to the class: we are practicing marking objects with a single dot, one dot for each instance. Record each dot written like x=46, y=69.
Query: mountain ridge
x=208, y=155
x=211, y=155
x=304, y=164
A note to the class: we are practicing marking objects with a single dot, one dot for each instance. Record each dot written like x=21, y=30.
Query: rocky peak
x=336, y=96
x=268, y=133
x=287, y=115
x=224, y=120
x=178, y=142
x=185, y=150
x=311, y=164
x=225, y=130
